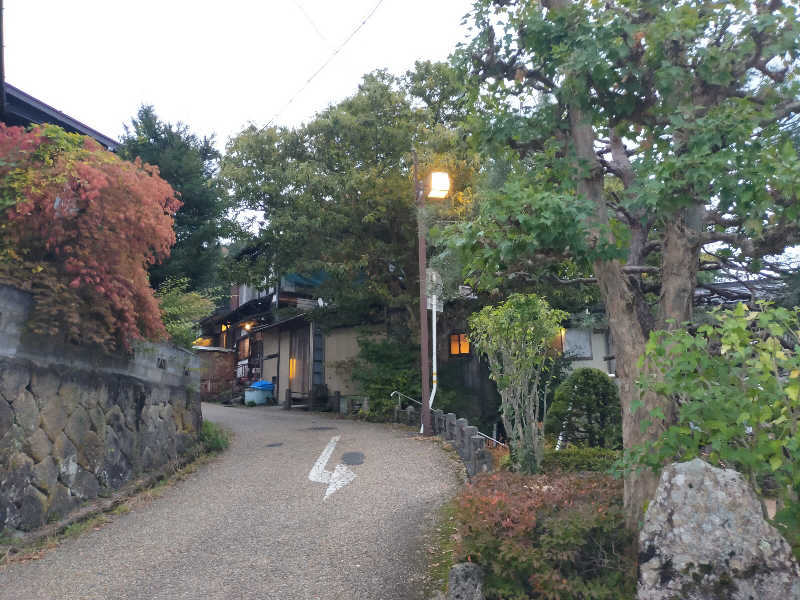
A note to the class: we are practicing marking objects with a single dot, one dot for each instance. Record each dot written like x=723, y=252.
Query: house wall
x=599, y=350
x=341, y=347
x=269, y=367
x=75, y=421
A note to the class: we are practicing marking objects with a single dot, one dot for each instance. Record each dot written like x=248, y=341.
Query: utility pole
x=425, y=367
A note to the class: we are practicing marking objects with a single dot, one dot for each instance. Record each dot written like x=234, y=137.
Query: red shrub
x=80, y=227
x=547, y=536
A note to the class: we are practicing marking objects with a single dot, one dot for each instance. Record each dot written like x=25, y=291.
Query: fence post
x=412, y=418
x=466, y=441
x=450, y=427
x=438, y=421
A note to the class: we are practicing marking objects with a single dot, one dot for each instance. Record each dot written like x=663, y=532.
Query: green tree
x=637, y=135
x=189, y=164
x=181, y=309
x=586, y=411
x=516, y=337
x=334, y=196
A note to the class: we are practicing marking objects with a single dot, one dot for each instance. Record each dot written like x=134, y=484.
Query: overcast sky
x=214, y=65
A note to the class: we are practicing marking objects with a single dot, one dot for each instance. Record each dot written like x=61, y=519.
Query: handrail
x=488, y=437
x=398, y=394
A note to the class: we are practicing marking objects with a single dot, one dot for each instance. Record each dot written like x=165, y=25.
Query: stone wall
x=76, y=423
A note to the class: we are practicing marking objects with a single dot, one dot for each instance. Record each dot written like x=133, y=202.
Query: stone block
x=54, y=418
x=85, y=486
x=32, y=510
x=704, y=537
x=437, y=418
x=60, y=503
x=78, y=426
x=38, y=445
x=66, y=457
x=465, y=582
x=98, y=419
x=450, y=426
x=11, y=442
x=26, y=413
x=91, y=452
x=45, y=475
x=6, y=416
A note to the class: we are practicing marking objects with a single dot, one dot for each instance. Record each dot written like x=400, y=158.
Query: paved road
x=252, y=525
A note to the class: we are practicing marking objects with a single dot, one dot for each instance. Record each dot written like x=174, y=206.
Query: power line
x=325, y=64
x=311, y=21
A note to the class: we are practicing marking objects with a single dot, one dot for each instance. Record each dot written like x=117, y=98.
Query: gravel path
x=252, y=525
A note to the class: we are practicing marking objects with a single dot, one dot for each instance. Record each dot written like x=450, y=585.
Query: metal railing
x=398, y=395
x=488, y=437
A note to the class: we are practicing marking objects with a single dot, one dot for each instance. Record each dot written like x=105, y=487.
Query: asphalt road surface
x=252, y=525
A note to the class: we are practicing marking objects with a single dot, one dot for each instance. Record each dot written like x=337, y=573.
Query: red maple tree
x=80, y=227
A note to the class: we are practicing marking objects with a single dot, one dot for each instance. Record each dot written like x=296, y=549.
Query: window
x=459, y=344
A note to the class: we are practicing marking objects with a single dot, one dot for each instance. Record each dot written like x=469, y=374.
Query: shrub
x=79, y=228
x=516, y=337
x=213, y=437
x=736, y=385
x=383, y=366
x=586, y=411
x=577, y=459
x=545, y=536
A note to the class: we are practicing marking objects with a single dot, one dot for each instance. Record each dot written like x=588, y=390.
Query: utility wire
x=311, y=21
x=325, y=64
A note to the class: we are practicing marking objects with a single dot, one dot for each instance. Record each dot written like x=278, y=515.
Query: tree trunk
x=630, y=321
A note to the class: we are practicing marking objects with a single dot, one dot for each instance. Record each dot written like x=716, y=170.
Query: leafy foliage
x=516, y=336
x=383, y=366
x=181, y=309
x=577, y=459
x=336, y=196
x=213, y=437
x=81, y=233
x=547, y=536
x=189, y=165
x=737, y=385
x=586, y=411
x=634, y=136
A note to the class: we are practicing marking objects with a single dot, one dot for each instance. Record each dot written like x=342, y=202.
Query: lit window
x=292, y=367
x=459, y=344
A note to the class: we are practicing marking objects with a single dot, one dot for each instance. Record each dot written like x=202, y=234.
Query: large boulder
x=705, y=537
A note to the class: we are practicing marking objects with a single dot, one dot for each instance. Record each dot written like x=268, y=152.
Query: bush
x=383, y=366
x=576, y=459
x=545, y=536
x=214, y=438
x=586, y=411
x=80, y=227
x=736, y=383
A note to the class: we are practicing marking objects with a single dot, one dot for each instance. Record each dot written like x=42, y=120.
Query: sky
x=215, y=66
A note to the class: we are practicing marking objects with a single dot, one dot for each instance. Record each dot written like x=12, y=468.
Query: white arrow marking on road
x=337, y=479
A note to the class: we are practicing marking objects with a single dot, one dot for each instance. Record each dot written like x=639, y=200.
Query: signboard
x=439, y=304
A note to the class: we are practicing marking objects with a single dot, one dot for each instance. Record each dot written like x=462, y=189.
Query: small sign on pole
x=439, y=304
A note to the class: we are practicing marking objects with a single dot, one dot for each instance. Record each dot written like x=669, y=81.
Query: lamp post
x=440, y=187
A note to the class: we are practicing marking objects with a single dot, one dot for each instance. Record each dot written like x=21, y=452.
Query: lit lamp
x=440, y=185
x=440, y=188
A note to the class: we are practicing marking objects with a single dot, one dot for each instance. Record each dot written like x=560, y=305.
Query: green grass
x=441, y=548
x=213, y=437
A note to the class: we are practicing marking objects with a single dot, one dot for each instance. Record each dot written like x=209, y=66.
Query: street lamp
x=440, y=188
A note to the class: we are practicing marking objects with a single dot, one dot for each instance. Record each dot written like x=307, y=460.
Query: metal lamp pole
x=419, y=191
